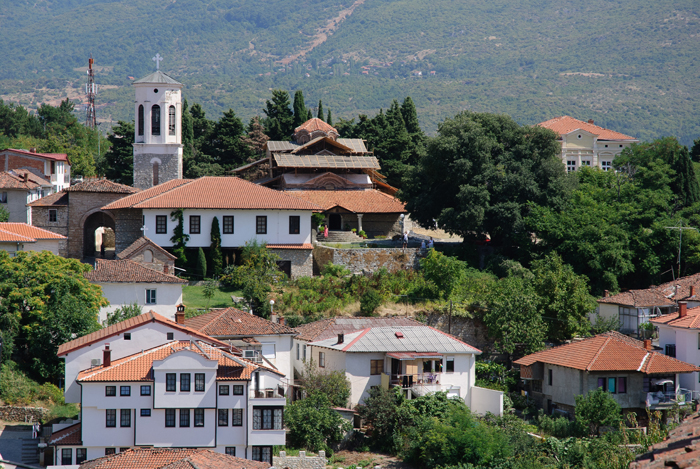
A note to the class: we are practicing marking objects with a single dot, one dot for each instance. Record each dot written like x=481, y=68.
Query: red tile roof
x=213, y=193
x=127, y=271
x=10, y=237
x=638, y=298
x=48, y=156
x=141, y=244
x=29, y=231
x=14, y=180
x=306, y=246
x=67, y=436
x=128, y=202
x=171, y=458
x=362, y=201
x=129, y=324
x=610, y=351
x=329, y=328
x=232, y=322
x=565, y=124
x=315, y=124
x=690, y=321
x=680, y=289
x=139, y=366
x=59, y=198
x=681, y=449
x=101, y=185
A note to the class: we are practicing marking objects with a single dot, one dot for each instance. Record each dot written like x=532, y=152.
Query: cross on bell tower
x=157, y=60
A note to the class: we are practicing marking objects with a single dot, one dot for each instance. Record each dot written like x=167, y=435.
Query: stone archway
x=92, y=223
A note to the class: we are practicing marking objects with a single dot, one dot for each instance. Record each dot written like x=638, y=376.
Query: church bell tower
x=158, y=129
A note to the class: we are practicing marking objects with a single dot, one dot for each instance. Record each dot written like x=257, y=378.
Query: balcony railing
x=408, y=381
x=279, y=392
x=668, y=398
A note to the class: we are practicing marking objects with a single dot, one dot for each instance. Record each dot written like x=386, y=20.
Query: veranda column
x=359, y=222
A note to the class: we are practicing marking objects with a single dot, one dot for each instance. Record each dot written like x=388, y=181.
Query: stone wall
x=22, y=414
x=470, y=330
x=82, y=205
x=302, y=260
x=40, y=219
x=169, y=167
x=299, y=462
x=369, y=259
x=128, y=223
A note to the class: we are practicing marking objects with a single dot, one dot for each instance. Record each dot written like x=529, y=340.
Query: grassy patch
x=193, y=297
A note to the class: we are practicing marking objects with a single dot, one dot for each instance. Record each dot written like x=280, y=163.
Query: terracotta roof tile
x=132, y=323
x=10, y=237
x=139, y=366
x=565, y=124
x=14, y=180
x=130, y=201
x=610, y=351
x=57, y=199
x=329, y=328
x=315, y=124
x=141, y=244
x=305, y=246
x=214, y=193
x=638, y=299
x=690, y=321
x=101, y=185
x=681, y=449
x=48, y=156
x=127, y=271
x=363, y=201
x=234, y=322
x=67, y=436
x=29, y=231
x=171, y=458
x=680, y=289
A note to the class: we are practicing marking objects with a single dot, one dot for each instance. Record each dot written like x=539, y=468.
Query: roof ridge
x=600, y=350
x=353, y=341
x=644, y=361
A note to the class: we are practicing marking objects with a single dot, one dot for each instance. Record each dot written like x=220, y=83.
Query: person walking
x=405, y=240
x=325, y=231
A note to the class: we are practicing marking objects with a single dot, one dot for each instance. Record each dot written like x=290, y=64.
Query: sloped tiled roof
x=29, y=231
x=680, y=289
x=213, y=193
x=101, y=185
x=10, y=237
x=67, y=436
x=14, y=180
x=690, y=321
x=48, y=156
x=139, y=366
x=610, y=351
x=171, y=458
x=129, y=324
x=638, y=298
x=565, y=124
x=331, y=327
x=398, y=339
x=158, y=77
x=363, y=201
x=234, y=322
x=141, y=244
x=53, y=200
x=127, y=271
x=315, y=124
x=304, y=246
x=680, y=449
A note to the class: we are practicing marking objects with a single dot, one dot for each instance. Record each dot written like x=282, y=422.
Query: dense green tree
x=216, y=261
x=46, y=301
x=4, y=215
x=299, y=109
x=309, y=115
x=480, y=175
x=123, y=313
x=228, y=149
x=329, y=119
x=119, y=159
x=383, y=412
x=188, y=157
x=410, y=117
x=320, y=111
x=312, y=425
x=596, y=409
x=447, y=273
x=15, y=121
x=279, y=124
x=333, y=384
x=694, y=151
x=179, y=238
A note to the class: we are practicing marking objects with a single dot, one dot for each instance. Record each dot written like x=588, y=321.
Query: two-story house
x=17, y=237
x=18, y=188
x=679, y=337
x=54, y=166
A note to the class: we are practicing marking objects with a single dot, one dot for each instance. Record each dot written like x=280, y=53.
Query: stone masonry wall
x=368, y=260
x=22, y=414
x=127, y=227
x=470, y=330
x=170, y=168
x=82, y=203
x=299, y=462
x=302, y=261
x=40, y=219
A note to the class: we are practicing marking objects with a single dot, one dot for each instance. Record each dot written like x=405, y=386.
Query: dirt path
x=322, y=34
x=370, y=460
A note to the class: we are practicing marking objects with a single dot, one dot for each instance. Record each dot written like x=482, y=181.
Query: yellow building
x=586, y=144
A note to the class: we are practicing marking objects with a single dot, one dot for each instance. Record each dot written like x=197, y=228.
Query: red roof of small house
x=53, y=200
x=638, y=298
x=30, y=232
x=234, y=322
x=139, y=366
x=315, y=124
x=127, y=271
x=141, y=244
x=362, y=201
x=171, y=458
x=564, y=125
x=610, y=351
x=690, y=321
x=101, y=185
x=129, y=324
x=67, y=436
x=48, y=156
x=14, y=179
x=680, y=289
x=212, y=193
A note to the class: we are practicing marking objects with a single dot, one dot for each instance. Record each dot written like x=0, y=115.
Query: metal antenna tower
x=91, y=91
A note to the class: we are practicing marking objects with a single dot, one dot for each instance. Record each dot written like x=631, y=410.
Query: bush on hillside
x=369, y=302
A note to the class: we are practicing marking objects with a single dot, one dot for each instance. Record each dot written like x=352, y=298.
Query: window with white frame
x=267, y=418
x=606, y=165
x=450, y=365
x=585, y=162
x=150, y=296
x=570, y=166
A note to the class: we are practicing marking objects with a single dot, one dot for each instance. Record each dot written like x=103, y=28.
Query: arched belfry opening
x=99, y=236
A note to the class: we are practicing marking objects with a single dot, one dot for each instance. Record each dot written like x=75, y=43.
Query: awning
x=661, y=382
x=413, y=355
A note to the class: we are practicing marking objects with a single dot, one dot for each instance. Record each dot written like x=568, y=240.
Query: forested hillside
x=631, y=66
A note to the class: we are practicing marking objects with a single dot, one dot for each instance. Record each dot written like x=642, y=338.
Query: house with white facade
x=260, y=340
x=125, y=282
x=54, y=166
x=19, y=187
x=406, y=354
x=585, y=144
x=679, y=337
x=634, y=308
x=245, y=212
x=17, y=237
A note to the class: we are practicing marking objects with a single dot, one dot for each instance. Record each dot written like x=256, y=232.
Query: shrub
x=596, y=409
x=559, y=427
x=369, y=302
x=17, y=389
x=333, y=270
x=362, y=233
x=201, y=263
x=313, y=425
x=123, y=313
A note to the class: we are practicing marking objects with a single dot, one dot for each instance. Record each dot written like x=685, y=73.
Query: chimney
x=341, y=338
x=25, y=177
x=682, y=309
x=647, y=344
x=607, y=293
x=273, y=318
x=106, y=356
x=590, y=121
x=281, y=321
x=692, y=290
x=32, y=150
x=180, y=314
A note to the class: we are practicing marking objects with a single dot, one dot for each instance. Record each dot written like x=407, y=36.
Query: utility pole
x=680, y=229
x=449, y=320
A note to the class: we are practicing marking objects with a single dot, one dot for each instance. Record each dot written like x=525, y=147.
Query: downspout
x=248, y=416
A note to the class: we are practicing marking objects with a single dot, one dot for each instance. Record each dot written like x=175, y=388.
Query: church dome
x=314, y=128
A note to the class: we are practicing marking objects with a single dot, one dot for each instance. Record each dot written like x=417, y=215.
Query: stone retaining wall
x=470, y=330
x=368, y=259
x=299, y=462
x=22, y=414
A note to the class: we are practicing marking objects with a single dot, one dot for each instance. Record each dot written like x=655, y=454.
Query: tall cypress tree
x=299, y=109
x=309, y=115
x=187, y=139
x=216, y=261
x=686, y=181
x=320, y=110
x=695, y=151
x=329, y=120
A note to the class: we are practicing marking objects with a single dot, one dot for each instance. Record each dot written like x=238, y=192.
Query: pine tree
x=187, y=140
x=299, y=109
x=228, y=150
x=215, y=257
x=119, y=160
x=329, y=120
x=410, y=116
x=687, y=182
x=320, y=110
x=695, y=151
x=309, y=115
x=201, y=263
x=256, y=139
x=279, y=124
